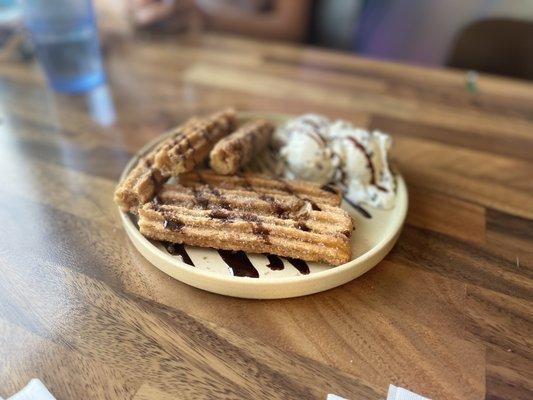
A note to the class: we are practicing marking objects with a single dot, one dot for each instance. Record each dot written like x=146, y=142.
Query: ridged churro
x=139, y=186
x=237, y=150
x=310, y=191
x=188, y=149
x=252, y=214
x=187, y=145
x=144, y=179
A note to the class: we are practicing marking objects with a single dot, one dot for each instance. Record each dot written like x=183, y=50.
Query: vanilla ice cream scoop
x=315, y=149
x=304, y=149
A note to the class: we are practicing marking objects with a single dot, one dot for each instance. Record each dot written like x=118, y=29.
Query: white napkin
x=34, y=390
x=395, y=393
x=398, y=393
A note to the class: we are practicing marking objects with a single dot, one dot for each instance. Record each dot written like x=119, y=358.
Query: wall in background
x=423, y=31
x=335, y=23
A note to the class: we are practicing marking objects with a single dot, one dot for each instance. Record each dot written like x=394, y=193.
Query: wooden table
x=447, y=314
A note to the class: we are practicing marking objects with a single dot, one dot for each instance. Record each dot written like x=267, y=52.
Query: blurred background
x=492, y=36
x=487, y=35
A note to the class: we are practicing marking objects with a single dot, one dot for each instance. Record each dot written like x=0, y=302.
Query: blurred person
x=424, y=31
x=268, y=19
x=113, y=17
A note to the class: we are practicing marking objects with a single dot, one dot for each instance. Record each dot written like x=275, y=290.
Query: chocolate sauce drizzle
x=239, y=263
x=300, y=265
x=259, y=229
x=302, y=226
x=369, y=162
x=177, y=249
x=173, y=224
x=223, y=203
x=281, y=211
x=329, y=188
x=358, y=208
x=278, y=208
x=318, y=139
x=288, y=189
x=314, y=206
x=257, y=226
x=199, y=198
x=221, y=214
x=274, y=262
x=315, y=135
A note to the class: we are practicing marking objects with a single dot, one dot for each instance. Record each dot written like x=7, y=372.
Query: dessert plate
x=261, y=276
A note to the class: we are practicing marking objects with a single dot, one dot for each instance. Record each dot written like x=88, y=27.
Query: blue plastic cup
x=65, y=37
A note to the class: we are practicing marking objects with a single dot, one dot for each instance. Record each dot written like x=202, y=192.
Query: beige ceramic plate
x=371, y=241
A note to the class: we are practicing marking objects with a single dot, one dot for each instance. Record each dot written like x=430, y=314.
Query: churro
x=264, y=184
x=189, y=148
x=142, y=182
x=187, y=145
x=236, y=150
x=252, y=214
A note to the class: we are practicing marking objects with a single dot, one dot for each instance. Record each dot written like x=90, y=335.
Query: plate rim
x=134, y=233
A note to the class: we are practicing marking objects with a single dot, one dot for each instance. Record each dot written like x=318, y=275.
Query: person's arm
x=170, y=15
x=288, y=20
x=112, y=16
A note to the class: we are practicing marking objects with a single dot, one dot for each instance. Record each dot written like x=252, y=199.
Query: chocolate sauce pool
x=274, y=262
x=300, y=265
x=239, y=263
x=176, y=249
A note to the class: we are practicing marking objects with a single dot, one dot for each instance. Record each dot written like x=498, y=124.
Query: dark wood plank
x=466, y=262
x=176, y=352
x=511, y=237
x=509, y=376
x=445, y=214
x=503, y=321
x=49, y=361
x=355, y=310
x=506, y=145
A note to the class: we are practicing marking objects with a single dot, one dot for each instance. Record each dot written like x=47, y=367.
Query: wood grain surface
x=447, y=314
